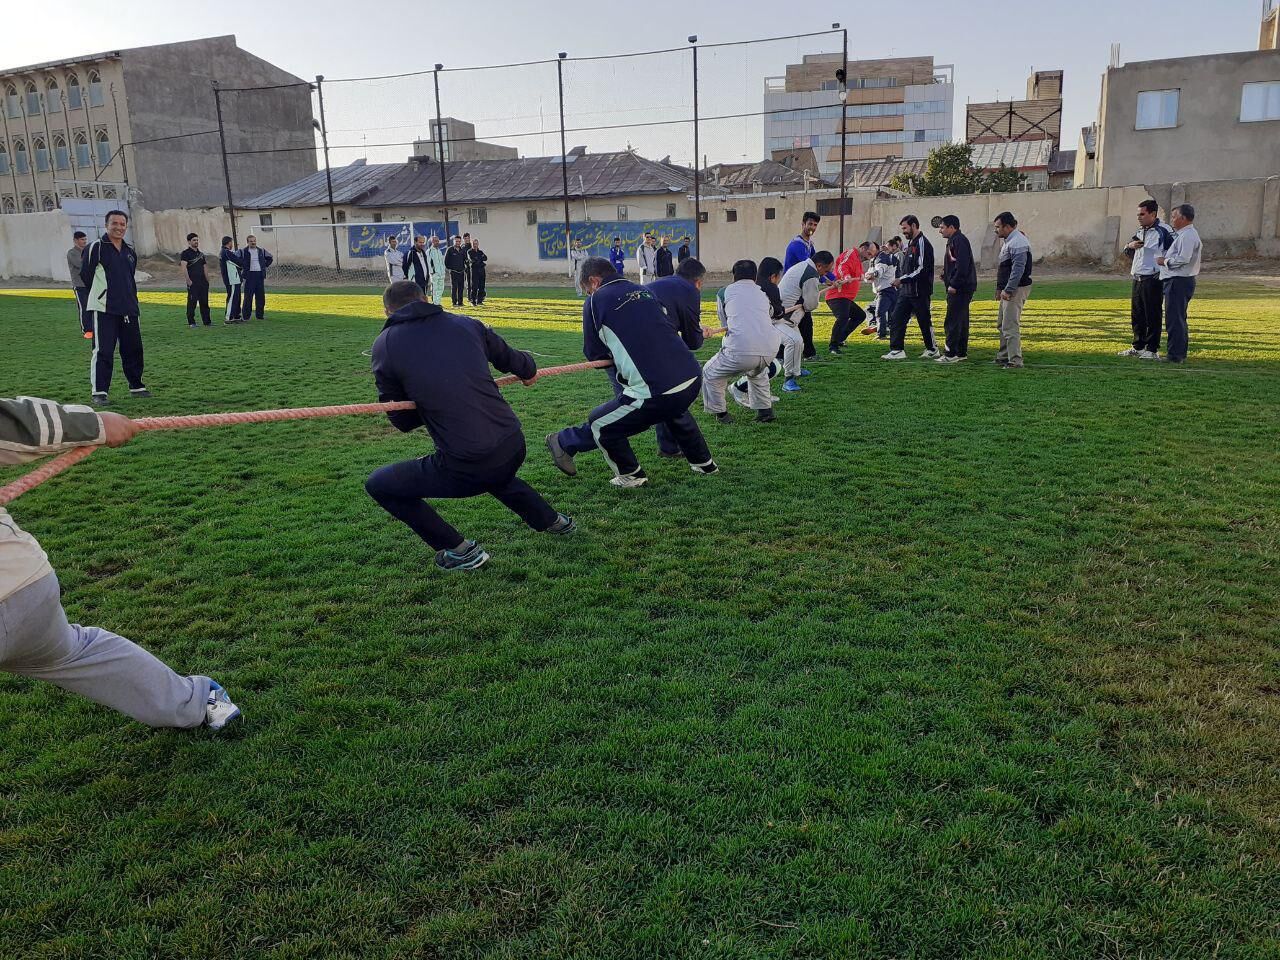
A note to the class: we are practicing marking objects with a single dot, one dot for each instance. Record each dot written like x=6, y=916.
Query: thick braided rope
x=30, y=481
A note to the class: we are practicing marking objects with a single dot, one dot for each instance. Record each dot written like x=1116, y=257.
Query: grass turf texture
x=949, y=661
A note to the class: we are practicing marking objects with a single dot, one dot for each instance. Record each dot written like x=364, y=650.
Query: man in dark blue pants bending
x=660, y=377
x=440, y=361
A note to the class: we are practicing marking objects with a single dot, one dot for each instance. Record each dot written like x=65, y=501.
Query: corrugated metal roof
x=878, y=173
x=743, y=176
x=1064, y=161
x=350, y=183
x=528, y=178
x=1018, y=154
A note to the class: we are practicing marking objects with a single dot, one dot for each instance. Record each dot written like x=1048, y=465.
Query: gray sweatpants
x=37, y=641
x=726, y=366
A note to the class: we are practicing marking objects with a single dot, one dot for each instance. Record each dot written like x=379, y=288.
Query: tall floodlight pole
x=843, y=79
x=697, y=168
x=564, y=162
x=444, y=188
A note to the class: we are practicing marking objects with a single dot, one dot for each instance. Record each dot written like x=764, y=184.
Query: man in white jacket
x=647, y=260
x=801, y=285
x=35, y=638
x=750, y=344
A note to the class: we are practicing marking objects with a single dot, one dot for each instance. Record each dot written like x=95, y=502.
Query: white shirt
x=253, y=260
x=1144, y=258
x=743, y=309
x=1182, y=259
x=395, y=258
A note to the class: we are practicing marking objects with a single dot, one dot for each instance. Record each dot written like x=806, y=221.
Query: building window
x=341, y=216
x=770, y=213
x=48, y=203
x=97, y=97
x=622, y=212
x=704, y=216
x=104, y=148
x=87, y=193
x=28, y=205
x=671, y=211
x=33, y=99
x=52, y=98
x=109, y=193
x=1157, y=109
x=74, y=99
x=919, y=135
x=61, y=155
x=4, y=160
x=12, y=104
x=477, y=215
x=82, y=151
x=264, y=220
x=731, y=216
x=42, y=155
x=1260, y=101
x=831, y=207
x=530, y=217
x=8, y=206
x=20, y=160
x=377, y=218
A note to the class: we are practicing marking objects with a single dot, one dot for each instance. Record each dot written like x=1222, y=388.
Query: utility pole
x=226, y=171
x=697, y=170
x=844, y=122
x=328, y=177
x=444, y=188
x=564, y=162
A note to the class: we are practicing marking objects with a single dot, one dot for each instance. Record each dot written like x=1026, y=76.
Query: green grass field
x=947, y=662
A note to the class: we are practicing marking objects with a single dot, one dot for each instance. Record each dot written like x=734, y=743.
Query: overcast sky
x=993, y=45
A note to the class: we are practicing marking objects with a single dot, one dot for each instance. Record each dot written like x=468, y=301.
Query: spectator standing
x=960, y=277
x=476, y=259
x=915, y=291
x=416, y=266
x=75, y=260
x=1013, y=283
x=647, y=260
x=195, y=272
x=256, y=260
x=1150, y=241
x=1179, y=268
x=108, y=271
x=685, y=251
x=435, y=260
x=665, y=268
x=232, y=269
x=617, y=257
x=576, y=256
x=455, y=261
x=394, y=258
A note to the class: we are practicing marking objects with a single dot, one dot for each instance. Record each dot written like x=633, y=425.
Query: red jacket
x=848, y=264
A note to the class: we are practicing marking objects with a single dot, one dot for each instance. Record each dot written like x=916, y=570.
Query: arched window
x=28, y=205
x=20, y=159
x=83, y=158
x=42, y=155
x=104, y=148
x=96, y=95
x=52, y=96
x=61, y=155
x=12, y=104
x=47, y=203
x=75, y=100
x=4, y=159
x=8, y=206
x=33, y=98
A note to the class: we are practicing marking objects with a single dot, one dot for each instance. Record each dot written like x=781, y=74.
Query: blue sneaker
x=791, y=386
x=471, y=556
x=805, y=373
x=218, y=709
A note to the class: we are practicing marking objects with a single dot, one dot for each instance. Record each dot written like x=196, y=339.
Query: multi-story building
x=899, y=107
x=107, y=126
x=1038, y=117
x=460, y=143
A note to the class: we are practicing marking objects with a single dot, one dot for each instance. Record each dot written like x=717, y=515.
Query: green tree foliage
x=949, y=170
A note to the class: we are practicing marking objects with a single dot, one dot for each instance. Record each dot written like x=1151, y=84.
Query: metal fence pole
x=444, y=188
x=564, y=163
x=328, y=176
x=844, y=125
x=226, y=170
x=697, y=167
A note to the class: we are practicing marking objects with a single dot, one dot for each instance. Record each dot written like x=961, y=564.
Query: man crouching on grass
x=441, y=361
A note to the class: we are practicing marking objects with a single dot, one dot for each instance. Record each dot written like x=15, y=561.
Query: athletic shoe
x=141, y=392
x=741, y=396
x=670, y=456
x=1148, y=355
x=1000, y=363
x=88, y=334
x=562, y=525
x=765, y=416
x=945, y=359
x=563, y=461
x=724, y=417
x=869, y=329
x=804, y=373
x=471, y=556
x=218, y=709
x=791, y=386
x=191, y=326
x=100, y=400
x=704, y=468
x=1131, y=352
x=895, y=355
x=834, y=351
x=933, y=354
x=1013, y=365
x=628, y=480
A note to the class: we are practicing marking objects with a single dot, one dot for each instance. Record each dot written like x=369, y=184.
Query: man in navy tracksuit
x=232, y=271
x=624, y=322
x=441, y=361
x=108, y=271
x=256, y=261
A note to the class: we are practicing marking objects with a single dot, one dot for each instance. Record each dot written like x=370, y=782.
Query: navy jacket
x=683, y=304
x=230, y=256
x=414, y=265
x=264, y=260
x=958, y=268
x=619, y=259
x=624, y=322
x=109, y=275
x=441, y=361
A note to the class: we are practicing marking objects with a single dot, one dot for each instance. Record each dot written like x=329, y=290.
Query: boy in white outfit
x=802, y=284
x=750, y=344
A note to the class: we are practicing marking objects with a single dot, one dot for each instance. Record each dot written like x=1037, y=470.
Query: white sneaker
x=946, y=359
x=895, y=355
x=931, y=354
x=218, y=709
x=1131, y=352
x=743, y=397
x=628, y=480
x=1148, y=355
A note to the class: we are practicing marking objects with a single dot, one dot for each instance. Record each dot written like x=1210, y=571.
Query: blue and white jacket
x=624, y=322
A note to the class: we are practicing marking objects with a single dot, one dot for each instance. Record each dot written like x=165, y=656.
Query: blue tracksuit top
x=683, y=304
x=624, y=322
x=798, y=249
x=441, y=361
x=619, y=259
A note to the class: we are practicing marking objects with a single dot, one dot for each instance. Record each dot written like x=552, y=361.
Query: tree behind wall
x=949, y=170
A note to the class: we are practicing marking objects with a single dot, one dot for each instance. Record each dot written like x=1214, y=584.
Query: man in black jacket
x=441, y=361
x=915, y=288
x=960, y=277
x=415, y=266
x=455, y=262
x=665, y=269
x=108, y=272
x=476, y=259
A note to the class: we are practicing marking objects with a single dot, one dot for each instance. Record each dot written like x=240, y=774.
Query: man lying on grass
x=440, y=361
x=35, y=638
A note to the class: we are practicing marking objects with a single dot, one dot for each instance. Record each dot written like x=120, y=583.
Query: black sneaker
x=141, y=392
x=562, y=525
x=563, y=461
x=834, y=351
x=766, y=416
x=471, y=556
x=708, y=467
x=100, y=400
x=724, y=417
x=670, y=456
